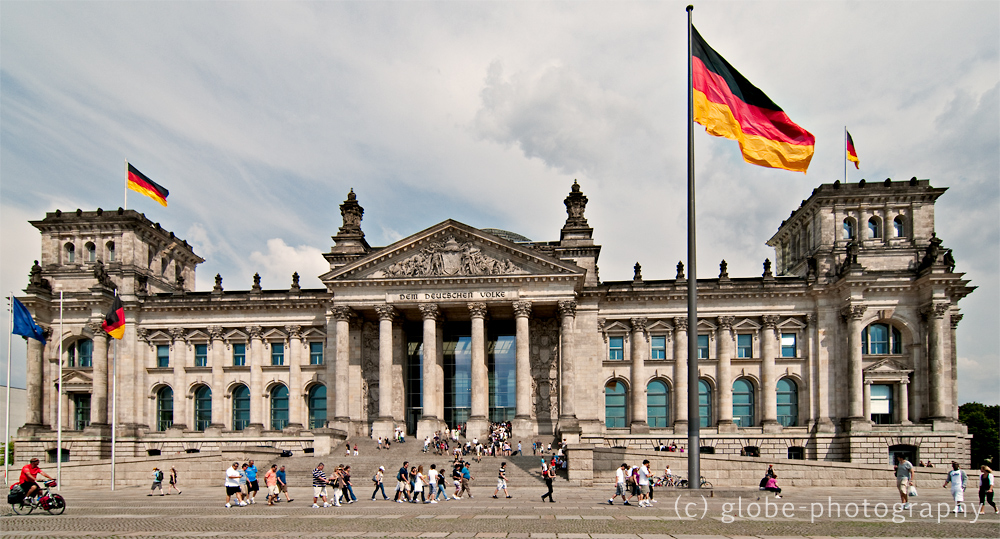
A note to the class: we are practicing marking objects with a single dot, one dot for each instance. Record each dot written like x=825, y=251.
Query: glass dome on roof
x=507, y=235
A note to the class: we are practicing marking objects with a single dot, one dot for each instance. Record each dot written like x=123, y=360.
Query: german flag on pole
x=138, y=182
x=114, y=321
x=852, y=154
x=728, y=105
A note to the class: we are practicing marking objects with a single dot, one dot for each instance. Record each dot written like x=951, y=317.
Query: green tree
x=984, y=426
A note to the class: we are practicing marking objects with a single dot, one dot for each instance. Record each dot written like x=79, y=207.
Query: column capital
x=385, y=311
x=96, y=329
x=177, y=334
x=955, y=319
x=639, y=324
x=430, y=311
x=255, y=332
x=811, y=319
x=215, y=332
x=935, y=310
x=522, y=308
x=294, y=331
x=726, y=322
x=341, y=313
x=477, y=309
x=567, y=308
x=854, y=311
x=680, y=323
x=770, y=321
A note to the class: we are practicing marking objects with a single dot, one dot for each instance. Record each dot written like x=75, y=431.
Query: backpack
x=159, y=475
x=763, y=482
x=16, y=494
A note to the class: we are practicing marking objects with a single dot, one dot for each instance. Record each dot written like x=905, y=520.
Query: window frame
x=202, y=413
x=893, y=342
x=612, y=339
x=654, y=419
x=747, y=347
x=82, y=406
x=653, y=348
x=612, y=421
x=241, y=415
x=850, y=229
x=750, y=405
x=707, y=348
x=874, y=228
x=313, y=354
x=279, y=416
x=162, y=359
x=240, y=357
x=791, y=416
x=312, y=401
x=164, y=406
x=705, y=403
x=277, y=354
x=882, y=418
x=201, y=354
x=70, y=251
x=783, y=348
x=899, y=226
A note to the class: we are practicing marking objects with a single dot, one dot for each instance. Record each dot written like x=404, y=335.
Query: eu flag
x=24, y=325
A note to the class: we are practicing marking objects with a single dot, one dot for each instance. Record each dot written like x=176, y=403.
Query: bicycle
x=683, y=483
x=55, y=504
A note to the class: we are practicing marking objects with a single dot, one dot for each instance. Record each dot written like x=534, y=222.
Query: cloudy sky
x=259, y=117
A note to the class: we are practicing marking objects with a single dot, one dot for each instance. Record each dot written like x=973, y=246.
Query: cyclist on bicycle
x=29, y=477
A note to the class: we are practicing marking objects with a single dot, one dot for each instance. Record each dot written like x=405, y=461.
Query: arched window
x=615, y=398
x=164, y=408
x=111, y=251
x=279, y=407
x=81, y=354
x=241, y=407
x=788, y=402
x=849, y=232
x=743, y=403
x=317, y=406
x=70, y=253
x=704, y=403
x=874, y=228
x=881, y=339
x=657, y=404
x=898, y=227
x=91, y=252
x=202, y=408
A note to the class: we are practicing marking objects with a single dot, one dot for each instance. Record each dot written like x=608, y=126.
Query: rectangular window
x=315, y=353
x=277, y=353
x=744, y=345
x=659, y=348
x=881, y=404
x=702, y=346
x=616, y=348
x=162, y=355
x=788, y=345
x=201, y=355
x=239, y=354
x=81, y=406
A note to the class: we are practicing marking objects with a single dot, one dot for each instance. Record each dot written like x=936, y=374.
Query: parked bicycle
x=55, y=504
x=680, y=482
x=664, y=481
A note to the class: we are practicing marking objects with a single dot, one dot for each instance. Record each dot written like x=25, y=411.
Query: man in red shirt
x=29, y=476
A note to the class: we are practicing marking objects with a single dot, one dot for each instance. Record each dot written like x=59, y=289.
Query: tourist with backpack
x=157, y=482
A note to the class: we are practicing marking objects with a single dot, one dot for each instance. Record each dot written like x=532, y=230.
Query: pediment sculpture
x=449, y=259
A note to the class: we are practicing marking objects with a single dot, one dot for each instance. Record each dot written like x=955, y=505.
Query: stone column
x=524, y=427
x=341, y=365
x=330, y=363
x=177, y=362
x=478, y=424
x=938, y=355
x=296, y=397
x=217, y=349
x=640, y=345
x=855, y=375
x=768, y=384
x=99, y=399
x=681, y=375
x=866, y=405
x=568, y=423
x=429, y=421
x=33, y=418
x=904, y=402
x=256, y=354
x=953, y=402
x=383, y=425
x=726, y=343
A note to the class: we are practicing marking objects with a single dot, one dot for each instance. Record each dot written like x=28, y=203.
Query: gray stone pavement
x=579, y=513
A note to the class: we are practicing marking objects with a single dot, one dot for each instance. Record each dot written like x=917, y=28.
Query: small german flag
x=138, y=182
x=852, y=154
x=728, y=105
x=114, y=321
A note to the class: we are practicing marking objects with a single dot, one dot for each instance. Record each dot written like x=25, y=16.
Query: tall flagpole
x=694, y=420
x=845, y=154
x=125, y=207
x=6, y=429
x=59, y=405
x=114, y=407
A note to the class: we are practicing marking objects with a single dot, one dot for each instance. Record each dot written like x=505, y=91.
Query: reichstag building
x=844, y=351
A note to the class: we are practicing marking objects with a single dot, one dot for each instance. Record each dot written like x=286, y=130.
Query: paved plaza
x=578, y=513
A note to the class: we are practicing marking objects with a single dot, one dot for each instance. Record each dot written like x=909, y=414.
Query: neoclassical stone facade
x=845, y=351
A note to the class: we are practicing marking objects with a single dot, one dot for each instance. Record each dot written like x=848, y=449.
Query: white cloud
x=277, y=265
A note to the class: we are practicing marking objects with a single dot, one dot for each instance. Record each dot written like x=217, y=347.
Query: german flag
x=852, y=154
x=138, y=182
x=728, y=105
x=114, y=321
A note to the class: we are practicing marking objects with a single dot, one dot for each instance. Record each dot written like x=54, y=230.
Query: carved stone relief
x=544, y=337
x=369, y=368
x=450, y=258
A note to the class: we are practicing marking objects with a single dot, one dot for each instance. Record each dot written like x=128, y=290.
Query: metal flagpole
x=694, y=421
x=126, y=185
x=6, y=429
x=59, y=405
x=114, y=407
x=845, y=154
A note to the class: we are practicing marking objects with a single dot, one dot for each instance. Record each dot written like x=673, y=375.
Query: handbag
x=913, y=490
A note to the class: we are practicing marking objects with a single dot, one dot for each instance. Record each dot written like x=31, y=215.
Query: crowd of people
x=241, y=482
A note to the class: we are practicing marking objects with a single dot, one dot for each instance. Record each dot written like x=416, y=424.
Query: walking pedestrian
x=283, y=484
x=378, y=480
x=456, y=478
x=271, y=482
x=547, y=476
x=252, y=487
x=337, y=480
x=501, y=481
x=319, y=486
x=643, y=482
x=233, y=485
x=419, y=481
x=157, y=481
x=348, y=486
x=957, y=479
x=466, y=479
x=355, y=450
x=904, y=478
x=402, y=480
x=620, y=474
x=437, y=481
x=986, y=489
x=244, y=484
x=173, y=481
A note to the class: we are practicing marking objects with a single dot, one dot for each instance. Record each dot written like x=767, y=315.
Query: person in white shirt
x=233, y=485
x=620, y=490
x=644, y=484
x=957, y=479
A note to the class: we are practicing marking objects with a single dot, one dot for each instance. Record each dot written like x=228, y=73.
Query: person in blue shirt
x=252, y=486
x=466, y=477
x=282, y=484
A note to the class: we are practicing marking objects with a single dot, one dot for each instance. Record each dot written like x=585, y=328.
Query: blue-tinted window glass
x=704, y=404
x=702, y=346
x=315, y=353
x=202, y=408
x=788, y=348
x=743, y=403
x=201, y=355
x=241, y=407
x=788, y=402
x=239, y=354
x=317, y=407
x=744, y=345
x=614, y=405
x=162, y=355
x=279, y=407
x=616, y=348
x=164, y=408
x=878, y=339
x=657, y=404
x=277, y=353
x=658, y=346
